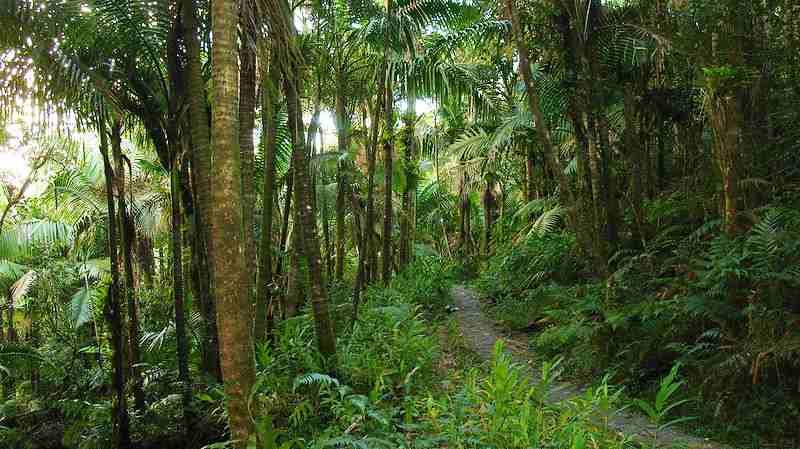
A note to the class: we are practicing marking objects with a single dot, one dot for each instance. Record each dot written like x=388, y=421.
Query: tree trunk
x=294, y=286
x=146, y=259
x=120, y=421
x=633, y=150
x=388, y=156
x=465, y=231
x=269, y=94
x=369, y=229
x=534, y=103
x=355, y=205
x=388, y=149
x=488, y=215
x=530, y=175
x=342, y=130
x=407, y=223
x=308, y=240
x=287, y=208
x=176, y=244
x=247, y=116
x=326, y=235
x=228, y=243
x=726, y=122
x=202, y=252
x=127, y=258
x=581, y=109
x=608, y=181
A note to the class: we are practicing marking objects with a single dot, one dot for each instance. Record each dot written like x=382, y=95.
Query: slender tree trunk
x=369, y=230
x=176, y=244
x=608, y=183
x=120, y=421
x=488, y=215
x=229, y=271
x=201, y=179
x=294, y=285
x=287, y=208
x=326, y=235
x=530, y=175
x=465, y=231
x=388, y=160
x=269, y=93
x=633, y=150
x=308, y=240
x=726, y=120
x=342, y=130
x=11, y=333
x=146, y=259
x=407, y=223
x=355, y=205
x=534, y=103
x=127, y=260
x=540, y=123
x=581, y=109
x=247, y=116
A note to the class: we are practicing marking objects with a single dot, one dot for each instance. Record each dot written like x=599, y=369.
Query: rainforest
x=379, y=224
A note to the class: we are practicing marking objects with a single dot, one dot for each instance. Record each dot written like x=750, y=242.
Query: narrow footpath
x=481, y=335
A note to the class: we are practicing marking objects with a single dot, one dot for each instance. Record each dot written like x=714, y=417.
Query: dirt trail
x=481, y=335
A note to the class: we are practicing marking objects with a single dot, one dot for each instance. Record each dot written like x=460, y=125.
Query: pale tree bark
x=287, y=208
x=228, y=242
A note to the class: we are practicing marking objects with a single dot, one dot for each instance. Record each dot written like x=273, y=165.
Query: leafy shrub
x=535, y=261
x=723, y=307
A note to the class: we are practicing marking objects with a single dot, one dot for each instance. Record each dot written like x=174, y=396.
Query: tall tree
x=307, y=228
x=388, y=150
x=227, y=237
x=126, y=223
x=120, y=420
x=200, y=135
x=269, y=117
x=281, y=22
x=247, y=116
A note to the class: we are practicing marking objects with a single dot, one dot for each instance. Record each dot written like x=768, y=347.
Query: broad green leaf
x=80, y=311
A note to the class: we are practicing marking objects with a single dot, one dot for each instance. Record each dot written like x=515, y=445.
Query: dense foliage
x=238, y=222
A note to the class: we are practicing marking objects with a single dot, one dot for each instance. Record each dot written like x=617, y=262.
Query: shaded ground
x=481, y=334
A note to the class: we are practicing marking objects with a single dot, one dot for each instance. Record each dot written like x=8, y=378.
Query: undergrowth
x=726, y=309
x=405, y=380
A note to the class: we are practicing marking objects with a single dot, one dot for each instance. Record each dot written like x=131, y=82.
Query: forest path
x=481, y=335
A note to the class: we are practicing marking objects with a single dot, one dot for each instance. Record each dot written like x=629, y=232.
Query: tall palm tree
x=269, y=95
x=284, y=35
x=121, y=438
x=200, y=135
x=127, y=258
x=228, y=262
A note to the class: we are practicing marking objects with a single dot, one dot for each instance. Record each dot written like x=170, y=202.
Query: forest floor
x=481, y=335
